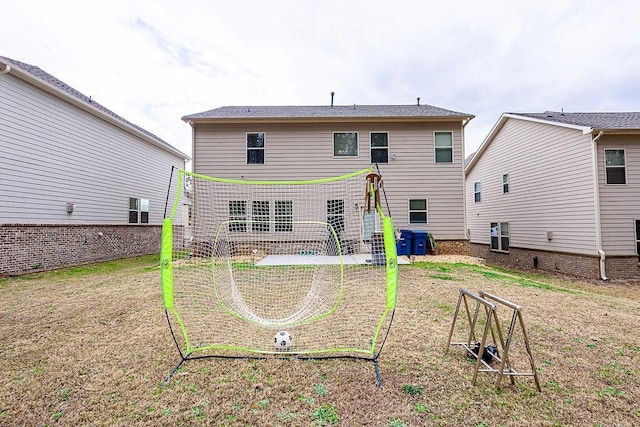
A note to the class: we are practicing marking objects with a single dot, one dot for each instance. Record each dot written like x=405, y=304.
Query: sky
x=155, y=61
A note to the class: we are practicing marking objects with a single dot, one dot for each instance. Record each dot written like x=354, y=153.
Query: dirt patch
x=93, y=349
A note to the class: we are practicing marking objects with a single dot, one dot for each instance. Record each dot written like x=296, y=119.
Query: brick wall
x=560, y=262
x=32, y=248
x=452, y=247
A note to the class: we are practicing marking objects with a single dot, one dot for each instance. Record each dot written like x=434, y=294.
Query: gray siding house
x=79, y=183
x=419, y=150
x=560, y=192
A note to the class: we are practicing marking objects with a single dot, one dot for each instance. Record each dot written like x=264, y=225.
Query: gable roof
x=326, y=113
x=595, y=121
x=53, y=85
x=619, y=122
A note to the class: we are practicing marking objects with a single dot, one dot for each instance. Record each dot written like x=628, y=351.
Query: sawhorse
x=490, y=304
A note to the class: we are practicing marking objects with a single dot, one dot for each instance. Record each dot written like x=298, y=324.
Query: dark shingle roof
x=62, y=86
x=327, y=112
x=596, y=121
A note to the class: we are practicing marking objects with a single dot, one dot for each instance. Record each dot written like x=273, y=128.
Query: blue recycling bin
x=419, y=243
x=403, y=246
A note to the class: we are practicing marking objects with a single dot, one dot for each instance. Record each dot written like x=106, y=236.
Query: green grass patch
x=325, y=415
x=442, y=277
x=413, y=390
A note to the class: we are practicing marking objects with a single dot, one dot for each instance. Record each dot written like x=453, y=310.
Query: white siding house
x=419, y=150
x=79, y=183
x=559, y=192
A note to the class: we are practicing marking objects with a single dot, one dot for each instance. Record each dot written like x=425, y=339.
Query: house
x=418, y=149
x=79, y=183
x=559, y=192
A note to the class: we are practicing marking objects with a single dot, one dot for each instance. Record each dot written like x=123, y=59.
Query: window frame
x=141, y=208
x=262, y=149
x=336, y=214
x=348, y=156
x=283, y=218
x=425, y=210
x=623, y=166
x=436, y=148
x=372, y=148
x=260, y=216
x=236, y=215
x=477, y=192
x=505, y=183
x=502, y=233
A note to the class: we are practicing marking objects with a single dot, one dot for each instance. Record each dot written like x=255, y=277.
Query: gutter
x=464, y=179
x=6, y=69
x=594, y=156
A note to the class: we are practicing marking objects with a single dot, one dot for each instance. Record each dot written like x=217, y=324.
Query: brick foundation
x=452, y=247
x=32, y=248
x=587, y=266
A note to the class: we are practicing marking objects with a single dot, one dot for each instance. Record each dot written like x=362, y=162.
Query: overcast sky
x=154, y=61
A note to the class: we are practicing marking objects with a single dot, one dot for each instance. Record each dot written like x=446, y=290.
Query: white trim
x=477, y=192
x=604, y=160
x=508, y=183
x=247, y=148
x=333, y=144
x=453, y=160
x=409, y=210
x=379, y=148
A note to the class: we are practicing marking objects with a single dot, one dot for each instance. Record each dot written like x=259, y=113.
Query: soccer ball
x=282, y=341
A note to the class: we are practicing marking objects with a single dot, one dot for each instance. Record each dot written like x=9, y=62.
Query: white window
x=238, y=216
x=255, y=148
x=477, y=195
x=418, y=212
x=615, y=167
x=505, y=183
x=444, y=147
x=499, y=233
x=335, y=214
x=283, y=214
x=379, y=147
x=260, y=216
x=138, y=211
x=345, y=144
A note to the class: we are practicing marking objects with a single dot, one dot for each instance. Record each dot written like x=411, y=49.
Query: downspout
x=594, y=155
x=464, y=178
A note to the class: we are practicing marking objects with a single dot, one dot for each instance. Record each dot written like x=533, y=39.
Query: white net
x=251, y=259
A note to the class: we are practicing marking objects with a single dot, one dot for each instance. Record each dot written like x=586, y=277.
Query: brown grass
x=91, y=348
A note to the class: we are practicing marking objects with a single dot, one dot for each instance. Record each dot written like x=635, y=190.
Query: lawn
x=90, y=345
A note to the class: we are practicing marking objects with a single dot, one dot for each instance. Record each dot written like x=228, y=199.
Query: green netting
x=244, y=260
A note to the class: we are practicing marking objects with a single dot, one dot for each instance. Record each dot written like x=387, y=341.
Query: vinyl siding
x=550, y=188
x=620, y=204
x=52, y=153
x=305, y=151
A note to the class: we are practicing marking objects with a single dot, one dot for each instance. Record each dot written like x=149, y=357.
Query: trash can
x=419, y=243
x=403, y=245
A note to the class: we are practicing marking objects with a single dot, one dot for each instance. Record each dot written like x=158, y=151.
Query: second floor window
x=505, y=183
x=255, y=148
x=477, y=195
x=444, y=147
x=345, y=144
x=379, y=147
x=615, y=167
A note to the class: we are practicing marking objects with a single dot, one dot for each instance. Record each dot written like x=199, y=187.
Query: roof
x=61, y=87
x=595, y=121
x=613, y=122
x=327, y=112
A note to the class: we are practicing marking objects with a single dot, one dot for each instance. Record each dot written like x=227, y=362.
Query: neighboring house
x=559, y=192
x=79, y=183
x=419, y=150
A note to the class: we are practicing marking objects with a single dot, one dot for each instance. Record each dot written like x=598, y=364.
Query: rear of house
x=417, y=148
x=80, y=184
x=558, y=191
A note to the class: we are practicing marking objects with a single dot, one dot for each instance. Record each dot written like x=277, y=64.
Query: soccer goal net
x=284, y=268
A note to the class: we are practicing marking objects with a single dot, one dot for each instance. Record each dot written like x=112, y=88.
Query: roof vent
x=418, y=101
x=332, y=94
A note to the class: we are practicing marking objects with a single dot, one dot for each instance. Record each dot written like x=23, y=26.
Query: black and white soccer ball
x=282, y=341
